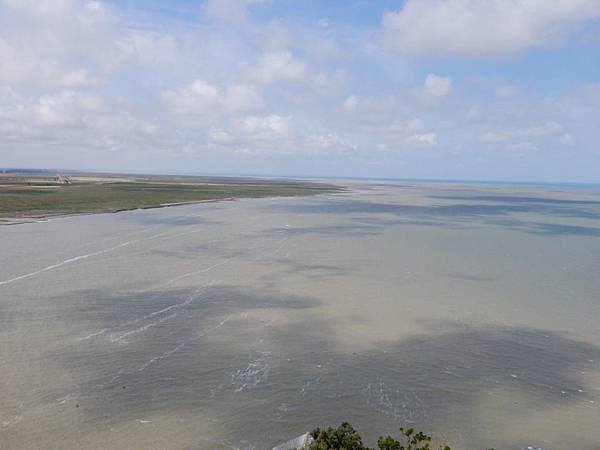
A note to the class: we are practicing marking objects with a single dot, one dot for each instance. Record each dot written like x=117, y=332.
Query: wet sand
x=468, y=310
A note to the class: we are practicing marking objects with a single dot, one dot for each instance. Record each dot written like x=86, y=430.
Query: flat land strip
x=27, y=195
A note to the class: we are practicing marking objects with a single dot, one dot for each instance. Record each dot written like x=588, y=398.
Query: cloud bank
x=477, y=28
x=251, y=86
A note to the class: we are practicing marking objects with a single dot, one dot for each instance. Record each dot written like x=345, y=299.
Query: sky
x=435, y=89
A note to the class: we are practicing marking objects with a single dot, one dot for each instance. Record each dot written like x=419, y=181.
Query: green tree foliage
x=345, y=437
x=410, y=441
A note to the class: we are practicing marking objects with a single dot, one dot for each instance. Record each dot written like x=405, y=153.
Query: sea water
x=468, y=311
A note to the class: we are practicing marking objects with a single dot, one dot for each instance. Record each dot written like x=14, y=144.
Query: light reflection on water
x=467, y=310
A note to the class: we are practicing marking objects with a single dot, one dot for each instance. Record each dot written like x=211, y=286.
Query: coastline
x=46, y=217
x=20, y=220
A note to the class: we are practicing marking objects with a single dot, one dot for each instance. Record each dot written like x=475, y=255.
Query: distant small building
x=61, y=179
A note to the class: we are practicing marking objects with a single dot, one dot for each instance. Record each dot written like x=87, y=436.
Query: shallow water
x=467, y=310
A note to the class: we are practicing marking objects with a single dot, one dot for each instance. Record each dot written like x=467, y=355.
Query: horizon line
x=303, y=176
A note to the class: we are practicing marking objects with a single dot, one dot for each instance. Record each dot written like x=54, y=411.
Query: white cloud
x=506, y=91
x=266, y=128
x=329, y=143
x=473, y=113
x=328, y=83
x=546, y=129
x=55, y=10
x=220, y=136
x=567, y=139
x=351, y=103
x=19, y=67
x=64, y=109
x=199, y=97
x=79, y=77
x=325, y=49
x=476, y=28
x=204, y=99
x=229, y=11
x=425, y=140
x=54, y=44
x=535, y=131
x=275, y=37
x=437, y=86
x=410, y=132
x=522, y=147
x=240, y=98
x=494, y=136
x=147, y=47
x=370, y=109
x=279, y=66
x=55, y=110
x=403, y=126
x=323, y=22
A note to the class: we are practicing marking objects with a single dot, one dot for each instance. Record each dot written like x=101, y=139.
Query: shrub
x=345, y=437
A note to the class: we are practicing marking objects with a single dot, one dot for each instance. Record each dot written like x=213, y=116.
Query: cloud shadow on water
x=455, y=210
x=268, y=381
x=516, y=199
x=160, y=218
x=553, y=229
x=515, y=215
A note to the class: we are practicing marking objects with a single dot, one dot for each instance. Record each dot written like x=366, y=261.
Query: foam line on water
x=250, y=377
x=180, y=346
x=197, y=293
x=93, y=335
x=219, y=325
x=218, y=264
x=163, y=356
x=199, y=271
x=270, y=251
x=73, y=259
x=14, y=421
x=65, y=262
x=121, y=336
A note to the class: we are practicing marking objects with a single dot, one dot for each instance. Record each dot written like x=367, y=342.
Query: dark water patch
x=365, y=207
x=344, y=229
x=325, y=270
x=382, y=222
x=191, y=251
x=115, y=310
x=165, y=219
x=555, y=229
x=383, y=186
x=516, y=199
x=313, y=272
x=506, y=222
x=458, y=211
x=267, y=382
x=471, y=277
x=433, y=381
x=354, y=227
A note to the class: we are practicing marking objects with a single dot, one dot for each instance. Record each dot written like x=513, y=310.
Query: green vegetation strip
x=345, y=437
x=32, y=201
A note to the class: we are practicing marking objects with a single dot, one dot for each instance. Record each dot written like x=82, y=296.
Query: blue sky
x=449, y=89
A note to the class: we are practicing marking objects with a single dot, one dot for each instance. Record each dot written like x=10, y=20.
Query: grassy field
x=26, y=197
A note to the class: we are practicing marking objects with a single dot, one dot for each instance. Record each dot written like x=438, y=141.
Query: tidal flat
x=467, y=310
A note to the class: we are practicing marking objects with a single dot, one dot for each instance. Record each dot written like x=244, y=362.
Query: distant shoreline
x=46, y=218
x=30, y=198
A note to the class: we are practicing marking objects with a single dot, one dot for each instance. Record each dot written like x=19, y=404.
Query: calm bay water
x=471, y=311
